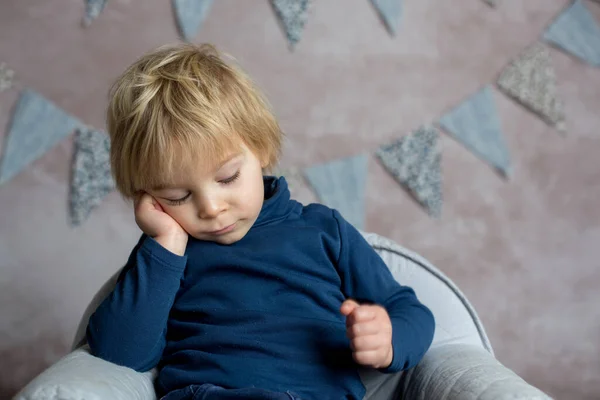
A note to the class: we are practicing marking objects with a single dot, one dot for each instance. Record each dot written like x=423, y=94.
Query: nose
x=210, y=207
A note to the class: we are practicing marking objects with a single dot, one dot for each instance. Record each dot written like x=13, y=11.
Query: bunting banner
x=389, y=11
x=299, y=188
x=340, y=184
x=292, y=15
x=93, y=9
x=576, y=32
x=475, y=123
x=491, y=3
x=414, y=161
x=91, y=179
x=37, y=126
x=189, y=15
x=530, y=80
x=6, y=77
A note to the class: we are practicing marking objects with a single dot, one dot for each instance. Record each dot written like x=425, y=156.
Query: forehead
x=185, y=169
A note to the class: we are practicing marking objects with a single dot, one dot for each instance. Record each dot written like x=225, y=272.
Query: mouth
x=223, y=231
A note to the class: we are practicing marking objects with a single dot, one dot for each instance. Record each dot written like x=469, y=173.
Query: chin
x=223, y=239
x=226, y=241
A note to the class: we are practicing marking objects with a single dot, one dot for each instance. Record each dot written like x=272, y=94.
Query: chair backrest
x=455, y=318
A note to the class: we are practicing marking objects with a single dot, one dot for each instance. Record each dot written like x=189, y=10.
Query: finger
x=143, y=199
x=361, y=329
x=367, y=343
x=361, y=314
x=368, y=357
x=157, y=205
x=348, y=306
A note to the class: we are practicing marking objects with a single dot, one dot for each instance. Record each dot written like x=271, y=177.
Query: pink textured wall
x=526, y=252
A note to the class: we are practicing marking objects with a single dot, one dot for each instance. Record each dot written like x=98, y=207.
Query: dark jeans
x=212, y=392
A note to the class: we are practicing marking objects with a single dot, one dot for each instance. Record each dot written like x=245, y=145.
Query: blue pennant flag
x=389, y=11
x=340, y=184
x=576, y=32
x=476, y=125
x=93, y=8
x=292, y=15
x=414, y=161
x=37, y=126
x=91, y=179
x=190, y=14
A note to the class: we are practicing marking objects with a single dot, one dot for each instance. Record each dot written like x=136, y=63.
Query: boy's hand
x=156, y=223
x=369, y=329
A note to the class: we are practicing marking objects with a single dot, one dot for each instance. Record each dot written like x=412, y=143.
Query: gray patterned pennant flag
x=414, y=161
x=340, y=184
x=389, y=11
x=37, y=125
x=93, y=8
x=476, y=125
x=190, y=14
x=530, y=80
x=91, y=180
x=6, y=77
x=576, y=32
x=292, y=15
x=299, y=188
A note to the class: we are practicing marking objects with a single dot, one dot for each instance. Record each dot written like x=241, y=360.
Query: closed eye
x=231, y=179
x=176, y=202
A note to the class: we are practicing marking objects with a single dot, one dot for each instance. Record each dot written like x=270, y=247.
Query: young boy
x=235, y=290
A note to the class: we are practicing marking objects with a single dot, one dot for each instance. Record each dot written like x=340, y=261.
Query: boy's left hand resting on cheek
x=369, y=329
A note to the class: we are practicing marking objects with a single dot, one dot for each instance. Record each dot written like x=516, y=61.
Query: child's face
x=217, y=203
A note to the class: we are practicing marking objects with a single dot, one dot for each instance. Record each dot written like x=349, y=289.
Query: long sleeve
x=366, y=278
x=129, y=327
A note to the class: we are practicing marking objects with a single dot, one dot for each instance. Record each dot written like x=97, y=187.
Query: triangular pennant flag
x=292, y=15
x=476, y=125
x=299, y=188
x=340, y=184
x=190, y=14
x=37, y=126
x=414, y=161
x=531, y=81
x=576, y=32
x=389, y=11
x=93, y=8
x=91, y=180
x=6, y=77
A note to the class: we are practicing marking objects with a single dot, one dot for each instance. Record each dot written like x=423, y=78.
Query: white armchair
x=459, y=365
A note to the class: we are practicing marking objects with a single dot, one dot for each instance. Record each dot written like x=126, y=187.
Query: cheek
x=259, y=195
x=252, y=195
x=183, y=214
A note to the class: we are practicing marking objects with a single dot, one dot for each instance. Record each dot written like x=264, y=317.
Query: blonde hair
x=181, y=103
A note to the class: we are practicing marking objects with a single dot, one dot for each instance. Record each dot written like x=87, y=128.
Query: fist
x=156, y=223
x=369, y=329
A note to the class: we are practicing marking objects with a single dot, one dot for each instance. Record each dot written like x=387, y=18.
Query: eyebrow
x=226, y=160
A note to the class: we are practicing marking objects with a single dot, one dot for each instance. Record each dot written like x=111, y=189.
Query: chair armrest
x=465, y=372
x=81, y=376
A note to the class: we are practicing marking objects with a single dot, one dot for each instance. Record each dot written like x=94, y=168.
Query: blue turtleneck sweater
x=262, y=312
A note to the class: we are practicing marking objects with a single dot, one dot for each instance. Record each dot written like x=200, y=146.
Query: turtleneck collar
x=277, y=205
